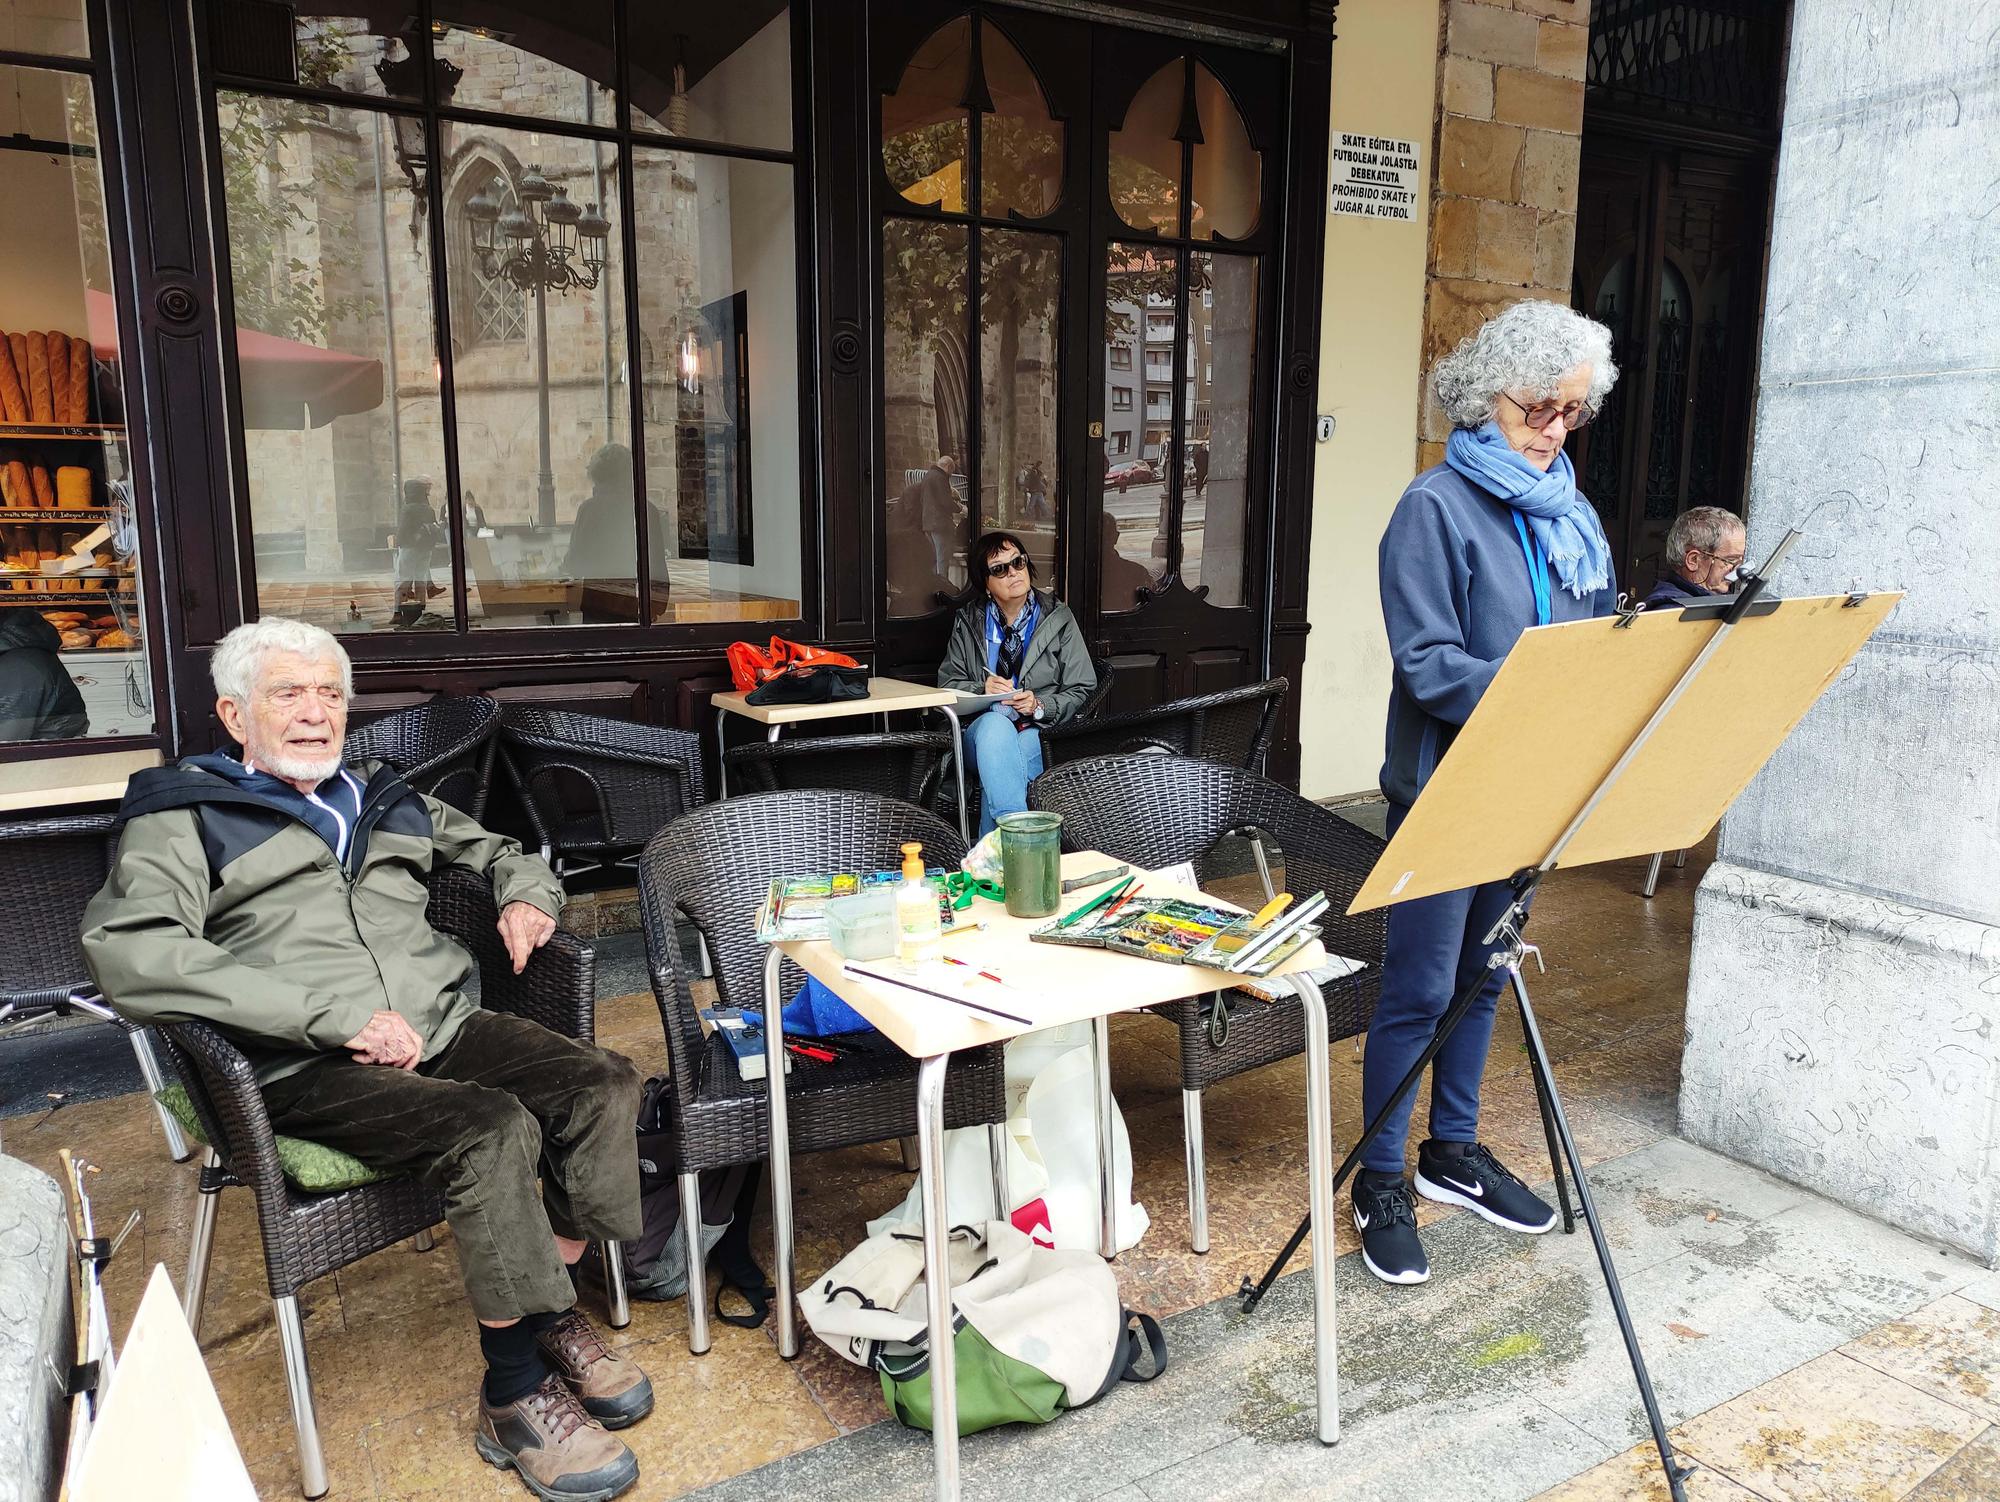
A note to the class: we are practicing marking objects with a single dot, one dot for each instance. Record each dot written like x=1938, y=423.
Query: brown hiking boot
x=561, y=1452
x=613, y=1389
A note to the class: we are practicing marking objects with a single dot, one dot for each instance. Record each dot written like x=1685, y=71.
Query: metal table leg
x=958, y=766
x=1100, y=1060
x=937, y=1274
x=1319, y=1197
x=721, y=756
x=781, y=1159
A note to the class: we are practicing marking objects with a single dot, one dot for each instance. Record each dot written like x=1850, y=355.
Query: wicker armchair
x=49, y=868
x=897, y=766
x=597, y=787
x=444, y=748
x=713, y=866
x=1233, y=727
x=1156, y=811
x=307, y=1236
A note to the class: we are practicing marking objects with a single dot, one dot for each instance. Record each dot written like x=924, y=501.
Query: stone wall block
x=1576, y=12
x=1523, y=96
x=1492, y=33
x=1479, y=159
x=1468, y=88
x=1428, y=455
x=1555, y=250
x=1507, y=235
x=1549, y=165
x=1562, y=49
x=1454, y=236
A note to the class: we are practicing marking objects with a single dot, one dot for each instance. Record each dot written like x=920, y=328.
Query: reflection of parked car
x=1132, y=472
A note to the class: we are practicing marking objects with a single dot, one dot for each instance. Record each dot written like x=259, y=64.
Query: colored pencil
x=967, y=965
x=890, y=980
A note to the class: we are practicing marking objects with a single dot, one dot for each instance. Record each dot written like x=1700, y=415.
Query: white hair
x=238, y=657
x=1701, y=528
x=1528, y=348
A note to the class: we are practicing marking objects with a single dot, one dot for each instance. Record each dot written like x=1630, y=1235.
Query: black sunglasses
x=1006, y=566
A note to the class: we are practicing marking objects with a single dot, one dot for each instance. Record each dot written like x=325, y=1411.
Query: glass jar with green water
x=1031, y=863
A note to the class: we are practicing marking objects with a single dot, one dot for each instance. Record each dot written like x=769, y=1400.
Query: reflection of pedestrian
x=1200, y=468
x=416, y=535
x=932, y=500
x=1038, y=493
x=1125, y=579
x=604, y=538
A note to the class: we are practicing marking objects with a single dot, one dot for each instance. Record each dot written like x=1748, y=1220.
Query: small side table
x=885, y=696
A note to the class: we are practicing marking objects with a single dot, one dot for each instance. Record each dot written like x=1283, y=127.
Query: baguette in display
x=22, y=486
x=45, y=490
x=41, y=395
x=58, y=347
x=72, y=487
x=7, y=497
x=80, y=380
x=13, y=393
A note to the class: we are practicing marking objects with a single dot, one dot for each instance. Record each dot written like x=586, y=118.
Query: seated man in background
x=1703, y=552
x=280, y=896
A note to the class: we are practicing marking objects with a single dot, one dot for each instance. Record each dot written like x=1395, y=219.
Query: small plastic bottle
x=919, y=935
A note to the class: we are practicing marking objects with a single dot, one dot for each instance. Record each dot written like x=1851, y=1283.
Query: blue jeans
x=1007, y=760
x=1436, y=946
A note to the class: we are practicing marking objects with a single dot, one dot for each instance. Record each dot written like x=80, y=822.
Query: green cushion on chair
x=311, y=1166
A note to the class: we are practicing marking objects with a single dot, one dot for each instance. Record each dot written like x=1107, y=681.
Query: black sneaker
x=1466, y=1173
x=1386, y=1217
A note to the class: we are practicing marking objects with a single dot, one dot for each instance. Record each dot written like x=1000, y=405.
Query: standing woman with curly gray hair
x=1492, y=541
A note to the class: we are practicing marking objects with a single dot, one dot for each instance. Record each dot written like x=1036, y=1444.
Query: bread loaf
x=23, y=488
x=41, y=395
x=58, y=347
x=45, y=490
x=81, y=382
x=76, y=637
x=115, y=638
x=7, y=496
x=13, y=391
x=72, y=487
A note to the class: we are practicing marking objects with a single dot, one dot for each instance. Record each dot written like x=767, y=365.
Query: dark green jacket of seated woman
x=1057, y=666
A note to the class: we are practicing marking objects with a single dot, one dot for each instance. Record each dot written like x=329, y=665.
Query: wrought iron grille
x=1670, y=378
x=1715, y=61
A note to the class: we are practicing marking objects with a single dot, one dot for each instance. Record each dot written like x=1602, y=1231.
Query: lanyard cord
x=1538, y=569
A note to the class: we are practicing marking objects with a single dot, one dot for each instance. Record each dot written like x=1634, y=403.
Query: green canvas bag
x=1035, y=1331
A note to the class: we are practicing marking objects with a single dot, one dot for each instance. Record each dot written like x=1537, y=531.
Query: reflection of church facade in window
x=485, y=309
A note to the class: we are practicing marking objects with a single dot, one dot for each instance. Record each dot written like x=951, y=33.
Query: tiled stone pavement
x=1804, y=1352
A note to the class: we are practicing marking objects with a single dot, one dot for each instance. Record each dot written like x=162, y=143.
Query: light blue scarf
x=1564, y=523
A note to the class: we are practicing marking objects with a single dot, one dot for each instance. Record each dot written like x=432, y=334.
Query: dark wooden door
x=1079, y=231
x=1669, y=255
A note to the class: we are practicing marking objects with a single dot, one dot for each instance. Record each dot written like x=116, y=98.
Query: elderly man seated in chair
x=279, y=896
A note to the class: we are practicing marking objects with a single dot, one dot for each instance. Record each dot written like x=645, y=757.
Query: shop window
x=1217, y=427
x=579, y=501
x=69, y=557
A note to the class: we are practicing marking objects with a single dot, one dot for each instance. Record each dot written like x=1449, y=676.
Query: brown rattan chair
x=597, y=789
x=307, y=1236
x=1156, y=811
x=713, y=866
x=1233, y=727
x=49, y=868
x=444, y=747
x=898, y=766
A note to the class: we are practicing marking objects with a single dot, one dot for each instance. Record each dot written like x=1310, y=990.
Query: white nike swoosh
x=1477, y=1191
x=1360, y=1221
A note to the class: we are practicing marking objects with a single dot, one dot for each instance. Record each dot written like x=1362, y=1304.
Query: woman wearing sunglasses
x=1492, y=541
x=1011, y=639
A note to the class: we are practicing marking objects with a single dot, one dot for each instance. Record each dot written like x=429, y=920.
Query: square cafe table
x=1049, y=984
x=885, y=696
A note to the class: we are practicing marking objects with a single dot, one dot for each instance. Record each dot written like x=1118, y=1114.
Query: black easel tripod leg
x=1552, y=1104
x=1253, y=1294
x=1542, y=1089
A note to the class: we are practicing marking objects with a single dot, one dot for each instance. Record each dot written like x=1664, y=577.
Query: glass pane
x=1228, y=171
x=1146, y=154
x=1020, y=147
x=717, y=74
x=513, y=62
x=357, y=53
x=1020, y=456
x=925, y=123
x=718, y=336
x=343, y=440
x=926, y=393
x=1138, y=314
x=54, y=27
x=1221, y=378
x=64, y=469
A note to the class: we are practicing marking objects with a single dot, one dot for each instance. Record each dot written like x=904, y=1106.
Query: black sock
x=514, y=1367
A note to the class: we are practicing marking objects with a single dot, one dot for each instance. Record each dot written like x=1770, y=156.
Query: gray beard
x=298, y=768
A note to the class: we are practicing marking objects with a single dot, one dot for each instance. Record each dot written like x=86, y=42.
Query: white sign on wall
x=1373, y=177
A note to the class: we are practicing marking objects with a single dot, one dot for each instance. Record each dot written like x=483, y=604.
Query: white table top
x=1047, y=983
x=884, y=696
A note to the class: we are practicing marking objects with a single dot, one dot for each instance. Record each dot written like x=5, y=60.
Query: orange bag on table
x=750, y=665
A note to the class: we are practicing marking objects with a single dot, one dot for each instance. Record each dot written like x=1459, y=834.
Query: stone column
x=1844, y=994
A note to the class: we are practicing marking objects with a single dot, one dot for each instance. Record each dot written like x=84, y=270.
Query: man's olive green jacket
x=226, y=907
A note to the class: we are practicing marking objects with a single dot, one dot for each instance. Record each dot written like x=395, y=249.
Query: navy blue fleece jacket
x=1455, y=595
